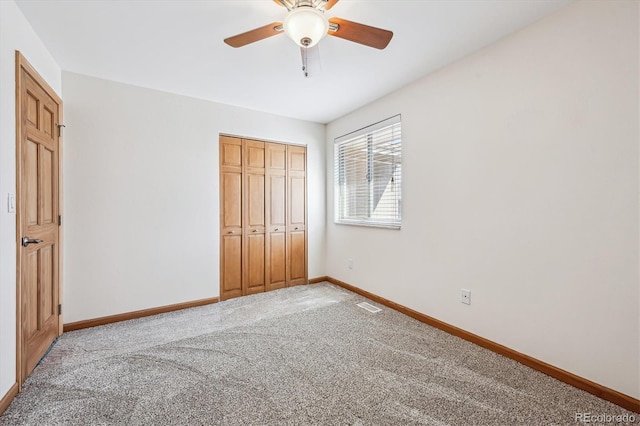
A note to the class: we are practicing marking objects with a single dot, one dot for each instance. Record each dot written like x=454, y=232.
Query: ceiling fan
x=306, y=24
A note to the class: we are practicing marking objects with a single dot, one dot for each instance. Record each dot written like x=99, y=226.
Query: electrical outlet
x=465, y=296
x=350, y=263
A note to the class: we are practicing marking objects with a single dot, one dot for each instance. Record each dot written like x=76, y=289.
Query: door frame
x=23, y=64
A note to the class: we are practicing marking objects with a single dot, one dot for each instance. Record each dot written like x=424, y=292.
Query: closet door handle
x=255, y=230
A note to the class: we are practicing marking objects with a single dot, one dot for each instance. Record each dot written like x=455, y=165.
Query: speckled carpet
x=303, y=355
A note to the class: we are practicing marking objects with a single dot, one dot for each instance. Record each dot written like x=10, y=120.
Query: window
x=368, y=175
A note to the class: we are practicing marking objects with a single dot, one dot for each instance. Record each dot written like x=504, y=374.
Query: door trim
x=23, y=64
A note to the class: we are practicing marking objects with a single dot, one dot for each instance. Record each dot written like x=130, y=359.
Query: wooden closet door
x=254, y=216
x=231, y=220
x=263, y=216
x=297, y=215
x=276, y=201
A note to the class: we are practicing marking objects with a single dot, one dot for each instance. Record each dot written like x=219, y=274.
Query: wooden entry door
x=38, y=144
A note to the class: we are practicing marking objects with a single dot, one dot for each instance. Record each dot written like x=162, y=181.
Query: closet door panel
x=231, y=266
x=255, y=264
x=298, y=187
x=254, y=216
x=298, y=258
x=231, y=208
x=297, y=215
x=255, y=211
x=231, y=217
x=276, y=259
x=278, y=204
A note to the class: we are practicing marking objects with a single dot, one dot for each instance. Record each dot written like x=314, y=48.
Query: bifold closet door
x=263, y=216
x=231, y=238
x=297, y=215
x=276, y=202
x=254, y=216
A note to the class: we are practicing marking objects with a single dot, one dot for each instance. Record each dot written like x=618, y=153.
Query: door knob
x=26, y=241
x=255, y=230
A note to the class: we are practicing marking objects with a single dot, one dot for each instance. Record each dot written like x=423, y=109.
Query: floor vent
x=369, y=307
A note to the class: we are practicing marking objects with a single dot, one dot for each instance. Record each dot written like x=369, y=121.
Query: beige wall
x=520, y=183
x=15, y=34
x=141, y=194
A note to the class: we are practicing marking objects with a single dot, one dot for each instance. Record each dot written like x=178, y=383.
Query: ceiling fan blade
x=360, y=33
x=330, y=4
x=254, y=35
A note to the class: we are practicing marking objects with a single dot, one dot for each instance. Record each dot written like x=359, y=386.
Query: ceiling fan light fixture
x=306, y=26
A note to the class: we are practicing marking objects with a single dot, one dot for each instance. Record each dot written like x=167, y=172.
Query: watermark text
x=604, y=418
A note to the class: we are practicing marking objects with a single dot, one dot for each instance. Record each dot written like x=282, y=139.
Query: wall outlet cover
x=465, y=296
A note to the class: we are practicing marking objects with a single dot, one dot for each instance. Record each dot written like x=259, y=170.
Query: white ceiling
x=177, y=46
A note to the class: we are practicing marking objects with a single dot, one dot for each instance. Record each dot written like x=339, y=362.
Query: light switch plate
x=11, y=203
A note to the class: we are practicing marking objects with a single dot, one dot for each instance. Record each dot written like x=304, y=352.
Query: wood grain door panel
x=255, y=193
x=254, y=216
x=255, y=154
x=298, y=258
x=232, y=200
x=40, y=302
x=38, y=146
x=231, y=217
x=255, y=264
x=230, y=153
x=297, y=215
x=298, y=202
x=277, y=260
x=278, y=204
x=231, y=266
x=297, y=160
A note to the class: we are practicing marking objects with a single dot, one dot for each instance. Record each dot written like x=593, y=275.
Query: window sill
x=368, y=224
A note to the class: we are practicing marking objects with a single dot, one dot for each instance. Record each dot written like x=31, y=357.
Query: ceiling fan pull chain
x=303, y=53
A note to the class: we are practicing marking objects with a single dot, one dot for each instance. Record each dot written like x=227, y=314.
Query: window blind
x=368, y=175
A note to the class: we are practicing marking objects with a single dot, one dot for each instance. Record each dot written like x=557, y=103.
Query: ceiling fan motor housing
x=306, y=26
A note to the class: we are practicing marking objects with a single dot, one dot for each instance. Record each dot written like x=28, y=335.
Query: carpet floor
x=297, y=356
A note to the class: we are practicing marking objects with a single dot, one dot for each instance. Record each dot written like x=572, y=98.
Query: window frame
x=368, y=134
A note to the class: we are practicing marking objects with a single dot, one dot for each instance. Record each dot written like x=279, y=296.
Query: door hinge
x=60, y=126
x=59, y=220
x=59, y=309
